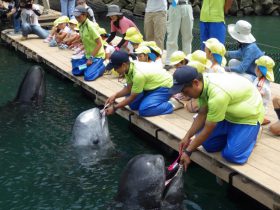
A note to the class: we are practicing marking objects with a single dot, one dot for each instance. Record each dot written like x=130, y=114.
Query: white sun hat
x=241, y=31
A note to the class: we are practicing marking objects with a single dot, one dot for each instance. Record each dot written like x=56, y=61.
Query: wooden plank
x=262, y=168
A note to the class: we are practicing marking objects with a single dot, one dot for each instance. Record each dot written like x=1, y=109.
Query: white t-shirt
x=265, y=91
x=66, y=30
x=28, y=15
x=216, y=69
x=156, y=5
x=109, y=49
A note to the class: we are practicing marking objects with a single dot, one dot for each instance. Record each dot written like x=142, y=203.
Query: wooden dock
x=259, y=177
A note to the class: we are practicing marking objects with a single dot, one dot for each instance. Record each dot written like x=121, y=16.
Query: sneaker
x=14, y=33
x=176, y=104
x=167, y=67
x=48, y=39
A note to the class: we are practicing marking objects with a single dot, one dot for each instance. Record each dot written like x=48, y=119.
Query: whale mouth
x=171, y=174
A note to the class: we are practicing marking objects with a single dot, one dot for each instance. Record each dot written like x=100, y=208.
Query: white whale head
x=91, y=129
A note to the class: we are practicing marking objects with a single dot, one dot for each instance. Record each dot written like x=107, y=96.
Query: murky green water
x=39, y=168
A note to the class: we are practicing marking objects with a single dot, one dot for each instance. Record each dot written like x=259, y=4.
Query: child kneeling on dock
x=91, y=65
x=147, y=87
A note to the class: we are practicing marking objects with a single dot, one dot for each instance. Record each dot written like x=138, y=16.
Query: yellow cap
x=142, y=49
x=216, y=47
x=199, y=56
x=268, y=63
x=73, y=21
x=152, y=45
x=62, y=19
x=133, y=35
x=177, y=57
x=199, y=66
x=102, y=31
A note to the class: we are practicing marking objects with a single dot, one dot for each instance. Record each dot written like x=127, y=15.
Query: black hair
x=199, y=77
x=117, y=22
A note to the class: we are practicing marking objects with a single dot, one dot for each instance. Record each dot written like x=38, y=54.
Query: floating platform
x=259, y=177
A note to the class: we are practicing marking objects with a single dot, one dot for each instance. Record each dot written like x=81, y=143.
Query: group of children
x=65, y=34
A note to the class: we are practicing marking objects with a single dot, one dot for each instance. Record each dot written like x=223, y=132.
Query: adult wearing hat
x=93, y=46
x=229, y=116
x=275, y=127
x=243, y=60
x=155, y=21
x=212, y=20
x=180, y=19
x=119, y=24
x=147, y=88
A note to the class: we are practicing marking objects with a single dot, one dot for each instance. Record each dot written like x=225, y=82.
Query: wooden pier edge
x=265, y=196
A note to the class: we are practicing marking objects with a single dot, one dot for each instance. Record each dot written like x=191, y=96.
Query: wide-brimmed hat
x=241, y=31
x=177, y=57
x=143, y=50
x=265, y=65
x=80, y=9
x=199, y=56
x=114, y=10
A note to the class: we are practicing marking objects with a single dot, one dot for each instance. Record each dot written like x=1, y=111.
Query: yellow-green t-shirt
x=212, y=11
x=145, y=76
x=89, y=34
x=231, y=97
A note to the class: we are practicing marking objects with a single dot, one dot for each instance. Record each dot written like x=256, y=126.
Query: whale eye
x=95, y=142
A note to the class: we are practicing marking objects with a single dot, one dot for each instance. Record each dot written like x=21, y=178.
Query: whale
x=90, y=135
x=144, y=184
x=32, y=89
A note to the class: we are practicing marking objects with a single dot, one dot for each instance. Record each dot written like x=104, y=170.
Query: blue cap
x=183, y=75
x=117, y=59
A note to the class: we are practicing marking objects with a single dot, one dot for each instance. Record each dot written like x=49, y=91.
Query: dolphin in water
x=144, y=185
x=91, y=136
x=33, y=87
